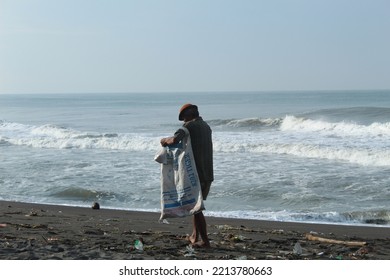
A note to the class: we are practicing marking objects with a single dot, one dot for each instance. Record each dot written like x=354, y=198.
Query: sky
x=85, y=46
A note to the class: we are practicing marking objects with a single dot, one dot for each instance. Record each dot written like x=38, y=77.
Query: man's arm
x=179, y=135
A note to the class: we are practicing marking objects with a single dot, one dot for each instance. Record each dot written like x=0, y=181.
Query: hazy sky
x=61, y=46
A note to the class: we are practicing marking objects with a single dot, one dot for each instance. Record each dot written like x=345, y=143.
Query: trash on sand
x=190, y=251
x=138, y=245
x=334, y=241
x=297, y=249
x=224, y=227
x=236, y=238
x=96, y=206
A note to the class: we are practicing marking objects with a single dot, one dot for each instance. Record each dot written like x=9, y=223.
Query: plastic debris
x=238, y=238
x=297, y=249
x=224, y=227
x=138, y=245
x=190, y=251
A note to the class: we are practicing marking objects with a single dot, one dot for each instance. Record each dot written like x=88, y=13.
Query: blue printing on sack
x=176, y=146
x=177, y=204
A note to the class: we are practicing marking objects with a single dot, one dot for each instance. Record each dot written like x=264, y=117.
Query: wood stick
x=334, y=241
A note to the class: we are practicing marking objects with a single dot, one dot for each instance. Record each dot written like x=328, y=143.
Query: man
x=202, y=148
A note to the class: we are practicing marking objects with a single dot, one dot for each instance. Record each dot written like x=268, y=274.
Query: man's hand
x=167, y=141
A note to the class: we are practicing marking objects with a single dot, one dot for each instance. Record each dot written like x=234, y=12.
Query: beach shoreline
x=39, y=231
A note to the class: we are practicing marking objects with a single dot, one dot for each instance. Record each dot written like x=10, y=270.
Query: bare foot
x=3, y=225
x=191, y=239
x=201, y=244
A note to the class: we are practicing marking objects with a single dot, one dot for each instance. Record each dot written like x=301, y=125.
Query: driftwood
x=334, y=241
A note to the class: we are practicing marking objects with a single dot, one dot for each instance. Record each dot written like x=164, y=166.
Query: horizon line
x=193, y=92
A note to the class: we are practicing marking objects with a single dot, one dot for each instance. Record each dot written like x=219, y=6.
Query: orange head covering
x=184, y=108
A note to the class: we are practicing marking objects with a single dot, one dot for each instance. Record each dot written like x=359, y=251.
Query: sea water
x=313, y=156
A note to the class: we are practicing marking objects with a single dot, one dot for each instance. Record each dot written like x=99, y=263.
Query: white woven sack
x=180, y=187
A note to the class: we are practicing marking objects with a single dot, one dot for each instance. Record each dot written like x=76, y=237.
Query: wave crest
x=292, y=123
x=51, y=136
x=249, y=123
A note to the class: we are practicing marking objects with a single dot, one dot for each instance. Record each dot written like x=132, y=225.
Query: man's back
x=202, y=147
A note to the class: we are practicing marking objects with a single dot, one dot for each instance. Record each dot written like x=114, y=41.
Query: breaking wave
x=292, y=123
x=55, y=137
x=248, y=123
x=291, y=135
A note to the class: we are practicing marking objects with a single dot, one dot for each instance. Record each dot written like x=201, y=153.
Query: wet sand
x=35, y=231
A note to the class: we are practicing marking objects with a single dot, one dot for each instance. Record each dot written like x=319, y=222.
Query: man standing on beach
x=202, y=148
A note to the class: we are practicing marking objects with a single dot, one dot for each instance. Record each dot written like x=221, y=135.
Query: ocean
x=310, y=156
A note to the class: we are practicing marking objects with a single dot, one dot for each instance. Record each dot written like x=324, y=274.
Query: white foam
x=49, y=136
x=292, y=123
x=253, y=122
x=363, y=157
x=298, y=137
x=330, y=217
x=362, y=150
